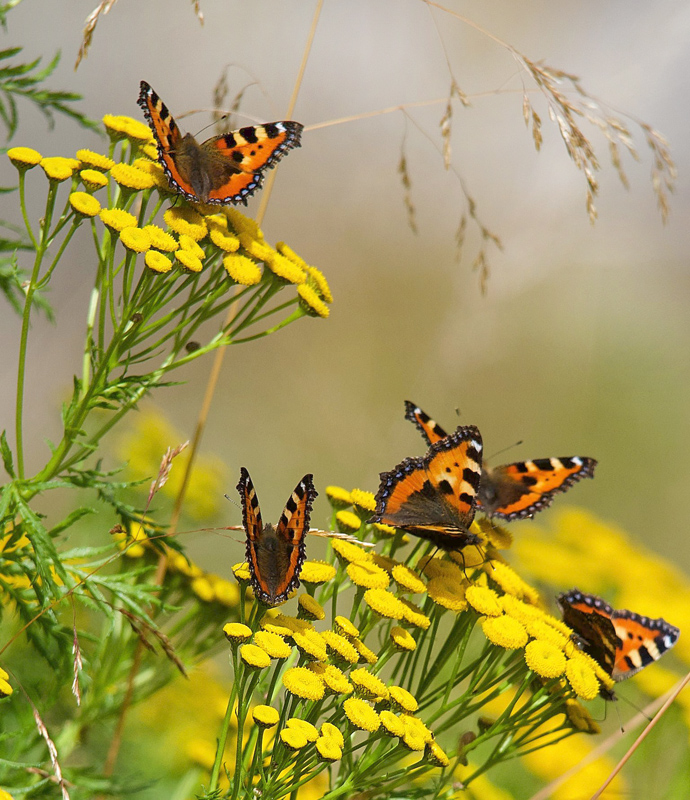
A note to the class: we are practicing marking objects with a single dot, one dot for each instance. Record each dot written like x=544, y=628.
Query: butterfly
x=275, y=555
x=621, y=642
x=519, y=490
x=434, y=497
x=224, y=169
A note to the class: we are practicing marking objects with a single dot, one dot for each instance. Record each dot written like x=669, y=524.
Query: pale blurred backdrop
x=580, y=345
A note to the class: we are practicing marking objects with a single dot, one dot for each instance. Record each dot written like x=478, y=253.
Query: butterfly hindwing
x=434, y=497
x=620, y=641
x=275, y=555
x=519, y=490
x=224, y=169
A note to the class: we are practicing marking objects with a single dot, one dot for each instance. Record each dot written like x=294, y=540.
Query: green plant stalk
x=222, y=738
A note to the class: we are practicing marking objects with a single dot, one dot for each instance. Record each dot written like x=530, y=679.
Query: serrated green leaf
x=6, y=455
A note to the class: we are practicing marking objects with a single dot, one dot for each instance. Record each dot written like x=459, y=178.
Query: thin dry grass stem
x=407, y=187
x=660, y=705
x=143, y=630
x=197, y=10
x=78, y=664
x=52, y=750
x=669, y=698
x=90, y=26
x=221, y=93
x=164, y=469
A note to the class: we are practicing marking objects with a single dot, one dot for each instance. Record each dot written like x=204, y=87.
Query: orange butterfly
x=224, y=169
x=434, y=497
x=275, y=555
x=519, y=490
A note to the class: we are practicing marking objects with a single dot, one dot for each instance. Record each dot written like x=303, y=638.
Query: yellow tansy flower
x=414, y=615
x=309, y=608
x=436, y=755
x=402, y=700
x=580, y=718
x=117, y=219
x=413, y=740
x=511, y=582
x=237, y=632
x=334, y=679
x=58, y=168
x=241, y=223
x=254, y=656
x=539, y=629
x=93, y=179
x=448, y=592
x=519, y=609
x=366, y=574
x=329, y=731
x=96, y=161
x=392, y=723
x=311, y=645
x=339, y=646
x=310, y=732
x=582, y=678
x=383, y=603
x=259, y=250
x=545, y=659
x=348, y=521
x=188, y=261
x=328, y=749
x=242, y=270
x=484, y=600
x=265, y=716
x=320, y=283
x=5, y=688
x=303, y=683
x=440, y=568
x=157, y=261
x=368, y=685
x=189, y=244
x=363, y=500
x=185, y=221
x=387, y=531
x=293, y=738
x=160, y=239
x=338, y=497
x=415, y=726
x=349, y=552
x=133, y=129
x=24, y=158
x=135, y=239
x=241, y=572
x=224, y=241
x=505, y=632
x=311, y=302
x=288, y=252
x=315, y=573
x=402, y=639
x=361, y=715
x=407, y=579
x=150, y=150
x=283, y=268
x=130, y=177
x=366, y=655
x=84, y=204
x=274, y=645
x=345, y=627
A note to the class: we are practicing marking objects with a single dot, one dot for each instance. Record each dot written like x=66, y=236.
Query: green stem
x=215, y=772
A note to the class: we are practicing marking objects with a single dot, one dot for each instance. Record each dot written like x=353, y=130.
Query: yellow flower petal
x=242, y=270
x=135, y=239
x=84, y=204
x=505, y=632
x=361, y=715
x=303, y=683
x=24, y=157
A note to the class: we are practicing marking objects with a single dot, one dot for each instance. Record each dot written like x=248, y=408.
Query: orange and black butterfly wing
x=517, y=491
x=641, y=642
x=429, y=428
x=167, y=135
x=591, y=620
x=293, y=526
x=253, y=527
x=434, y=497
x=247, y=152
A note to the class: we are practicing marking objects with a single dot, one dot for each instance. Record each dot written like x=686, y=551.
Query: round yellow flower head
x=303, y=683
x=241, y=223
x=24, y=158
x=224, y=241
x=348, y=521
x=135, y=239
x=281, y=267
x=160, y=239
x=339, y=646
x=402, y=639
x=392, y=723
x=448, y=592
x=311, y=645
x=334, y=679
x=345, y=627
x=318, y=280
x=129, y=177
x=366, y=574
x=582, y=678
x=484, y=600
x=188, y=261
x=338, y=497
x=241, y=572
x=519, y=609
x=511, y=582
x=402, y=700
x=545, y=659
x=408, y=580
x=5, y=689
x=271, y=643
x=361, y=714
x=289, y=253
x=368, y=686
x=57, y=168
x=254, y=656
x=329, y=731
x=580, y=718
x=505, y=632
x=366, y=656
x=309, y=608
x=311, y=303
x=293, y=739
x=386, y=531
x=265, y=716
x=115, y=126
x=84, y=204
x=436, y=755
x=384, y=603
x=237, y=632
x=314, y=573
x=414, y=615
x=310, y=732
x=93, y=179
x=540, y=629
x=92, y=160
x=363, y=500
x=440, y=568
x=189, y=244
x=328, y=749
x=184, y=220
x=116, y=219
x=415, y=726
x=242, y=270
x=348, y=552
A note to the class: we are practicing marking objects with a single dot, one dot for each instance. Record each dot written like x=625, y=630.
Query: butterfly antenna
x=639, y=710
x=505, y=449
x=234, y=502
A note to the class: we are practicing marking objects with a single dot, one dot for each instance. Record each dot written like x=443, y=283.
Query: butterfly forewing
x=429, y=428
x=642, y=641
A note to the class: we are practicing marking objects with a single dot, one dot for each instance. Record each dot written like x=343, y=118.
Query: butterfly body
x=434, y=497
x=620, y=641
x=224, y=169
x=519, y=490
x=275, y=554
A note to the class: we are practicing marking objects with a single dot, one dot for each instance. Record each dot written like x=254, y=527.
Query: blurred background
x=579, y=345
